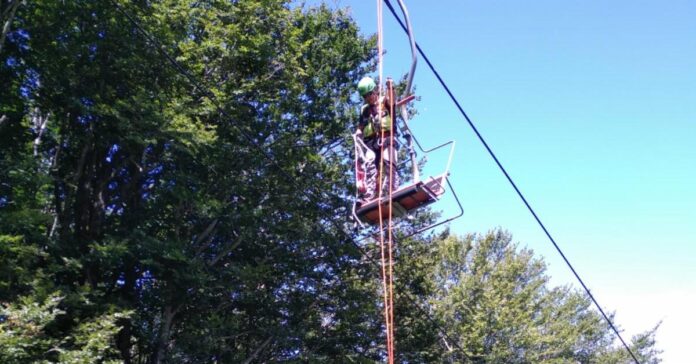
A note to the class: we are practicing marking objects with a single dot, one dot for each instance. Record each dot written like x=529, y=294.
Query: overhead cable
x=519, y=193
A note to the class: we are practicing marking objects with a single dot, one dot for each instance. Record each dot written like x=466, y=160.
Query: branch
x=204, y=235
x=449, y=348
x=40, y=124
x=54, y=162
x=258, y=350
x=7, y=17
x=225, y=252
x=53, y=227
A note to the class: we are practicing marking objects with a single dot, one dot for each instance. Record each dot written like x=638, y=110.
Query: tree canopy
x=153, y=214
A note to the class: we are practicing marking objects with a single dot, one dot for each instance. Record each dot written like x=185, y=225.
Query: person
x=370, y=128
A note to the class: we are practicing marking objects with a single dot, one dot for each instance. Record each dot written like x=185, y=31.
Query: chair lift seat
x=405, y=199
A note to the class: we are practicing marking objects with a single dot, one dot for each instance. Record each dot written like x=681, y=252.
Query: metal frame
x=446, y=174
x=409, y=82
x=410, y=139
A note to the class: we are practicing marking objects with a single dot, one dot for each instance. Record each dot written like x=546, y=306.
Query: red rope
x=385, y=287
x=390, y=92
x=387, y=280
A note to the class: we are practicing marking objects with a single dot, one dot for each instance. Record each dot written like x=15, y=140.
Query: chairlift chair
x=420, y=192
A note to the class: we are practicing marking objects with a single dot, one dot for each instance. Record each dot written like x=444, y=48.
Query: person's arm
x=389, y=99
x=362, y=122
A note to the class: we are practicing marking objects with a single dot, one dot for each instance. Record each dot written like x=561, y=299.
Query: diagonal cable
x=519, y=193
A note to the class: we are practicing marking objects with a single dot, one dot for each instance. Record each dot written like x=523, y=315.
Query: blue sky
x=591, y=107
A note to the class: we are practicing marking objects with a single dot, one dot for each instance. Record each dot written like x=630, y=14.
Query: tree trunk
x=7, y=16
x=258, y=350
x=165, y=332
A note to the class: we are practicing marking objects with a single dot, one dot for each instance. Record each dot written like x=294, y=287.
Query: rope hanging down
x=392, y=172
x=519, y=193
x=387, y=260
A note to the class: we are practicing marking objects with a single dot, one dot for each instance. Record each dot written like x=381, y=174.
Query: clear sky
x=591, y=107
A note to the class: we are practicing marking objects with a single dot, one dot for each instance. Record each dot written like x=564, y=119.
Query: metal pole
x=409, y=82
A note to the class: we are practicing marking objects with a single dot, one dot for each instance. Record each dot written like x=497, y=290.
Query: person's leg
x=389, y=156
x=370, y=165
x=370, y=181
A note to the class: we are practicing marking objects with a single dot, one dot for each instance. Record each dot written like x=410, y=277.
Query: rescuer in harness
x=379, y=148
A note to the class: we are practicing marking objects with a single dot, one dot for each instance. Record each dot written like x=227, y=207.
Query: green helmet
x=366, y=85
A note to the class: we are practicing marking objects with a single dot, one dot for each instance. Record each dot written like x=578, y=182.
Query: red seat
x=405, y=200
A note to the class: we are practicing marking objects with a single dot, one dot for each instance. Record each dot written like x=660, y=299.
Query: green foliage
x=25, y=334
x=142, y=194
x=22, y=330
x=93, y=341
x=496, y=300
x=18, y=262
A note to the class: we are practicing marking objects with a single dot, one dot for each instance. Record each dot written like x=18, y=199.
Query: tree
x=25, y=335
x=496, y=300
x=183, y=209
